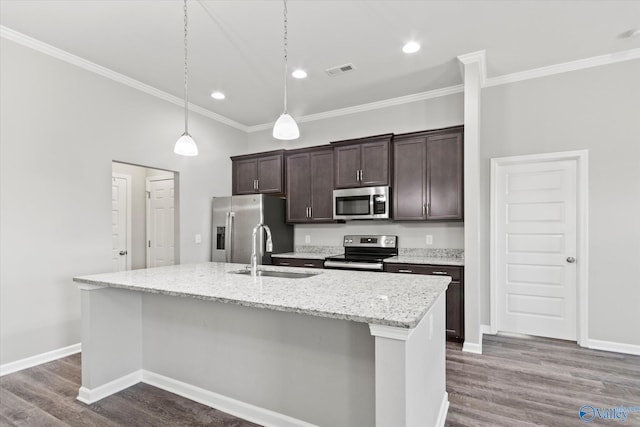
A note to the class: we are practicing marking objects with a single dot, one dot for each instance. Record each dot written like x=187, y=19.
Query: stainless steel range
x=365, y=252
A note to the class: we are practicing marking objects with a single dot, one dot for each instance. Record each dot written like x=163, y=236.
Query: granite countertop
x=312, y=252
x=399, y=300
x=428, y=256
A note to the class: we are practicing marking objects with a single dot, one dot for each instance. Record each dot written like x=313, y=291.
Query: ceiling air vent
x=340, y=69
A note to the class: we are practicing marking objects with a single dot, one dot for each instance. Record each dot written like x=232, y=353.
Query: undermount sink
x=281, y=274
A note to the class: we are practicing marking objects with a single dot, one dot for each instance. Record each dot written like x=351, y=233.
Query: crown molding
x=47, y=49
x=581, y=64
x=420, y=96
x=478, y=56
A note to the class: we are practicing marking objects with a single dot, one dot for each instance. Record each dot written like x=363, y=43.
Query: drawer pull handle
x=404, y=271
x=308, y=264
x=440, y=272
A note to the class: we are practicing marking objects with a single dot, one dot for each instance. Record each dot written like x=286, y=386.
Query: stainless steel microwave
x=361, y=203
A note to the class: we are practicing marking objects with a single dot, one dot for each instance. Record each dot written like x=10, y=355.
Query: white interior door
x=160, y=222
x=119, y=222
x=535, y=238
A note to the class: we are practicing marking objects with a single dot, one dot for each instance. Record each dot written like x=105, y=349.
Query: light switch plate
x=307, y=238
x=429, y=239
x=198, y=238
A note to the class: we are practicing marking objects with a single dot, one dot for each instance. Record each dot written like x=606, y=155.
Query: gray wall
x=420, y=115
x=61, y=128
x=596, y=109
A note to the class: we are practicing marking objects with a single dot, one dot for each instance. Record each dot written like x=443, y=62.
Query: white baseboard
x=444, y=409
x=29, y=362
x=231, y=406
x=472, y=347
x=613, y=346
x=89, y=396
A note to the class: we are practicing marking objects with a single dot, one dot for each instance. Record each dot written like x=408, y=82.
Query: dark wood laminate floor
x=516, y=382
x=538, y=381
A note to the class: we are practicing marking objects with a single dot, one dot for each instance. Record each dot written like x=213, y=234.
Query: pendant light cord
x=285, y=56
x=186, y=93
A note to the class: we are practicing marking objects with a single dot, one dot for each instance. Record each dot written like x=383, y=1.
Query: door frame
x=127, y=178
x=581, y=159
x=148, y=181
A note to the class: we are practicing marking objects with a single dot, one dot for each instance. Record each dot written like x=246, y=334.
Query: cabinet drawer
x=298, y=262
x=436, y=270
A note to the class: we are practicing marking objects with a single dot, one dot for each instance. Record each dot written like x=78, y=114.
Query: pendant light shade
x=285, y=127
x=186, y=146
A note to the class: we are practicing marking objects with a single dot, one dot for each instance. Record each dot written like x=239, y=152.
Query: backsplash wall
x=410, y=235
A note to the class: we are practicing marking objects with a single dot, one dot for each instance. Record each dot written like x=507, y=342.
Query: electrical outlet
x=307, y=238
x=429, y=239
x=198, y=239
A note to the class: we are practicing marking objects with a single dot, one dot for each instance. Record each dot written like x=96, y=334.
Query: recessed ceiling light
x=299, y=73
x=218, y=95
x=411, y=47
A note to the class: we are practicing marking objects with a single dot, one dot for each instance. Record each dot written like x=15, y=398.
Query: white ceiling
x=236, y=46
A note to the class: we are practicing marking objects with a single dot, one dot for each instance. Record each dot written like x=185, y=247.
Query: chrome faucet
x=269, y=246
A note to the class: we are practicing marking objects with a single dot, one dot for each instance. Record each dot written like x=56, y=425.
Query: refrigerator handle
x=229, y=237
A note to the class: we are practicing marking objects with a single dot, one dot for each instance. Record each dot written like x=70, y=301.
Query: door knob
x=571, y=260
x=123, y=252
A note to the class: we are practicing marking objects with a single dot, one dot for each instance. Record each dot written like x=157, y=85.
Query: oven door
x=361, y=203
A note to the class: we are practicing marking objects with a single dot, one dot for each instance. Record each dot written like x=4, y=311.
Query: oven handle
x=378, y=266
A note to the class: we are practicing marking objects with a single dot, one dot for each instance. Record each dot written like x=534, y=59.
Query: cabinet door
x=270, y=174
x=298, y=188
x=245, y=172
x=444, y=177
x=321, y=180
x=409, y=178
x=374, y=163
x=347, y=164
x=455, y=311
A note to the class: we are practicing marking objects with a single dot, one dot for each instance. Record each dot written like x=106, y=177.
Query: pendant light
x=185, y=145
x=285, y=127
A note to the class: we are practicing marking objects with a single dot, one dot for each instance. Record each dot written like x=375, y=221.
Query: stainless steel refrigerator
x=234, y=218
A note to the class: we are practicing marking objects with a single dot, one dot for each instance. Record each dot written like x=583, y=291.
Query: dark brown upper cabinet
x=428, y=175
x=258, y=173
x=362, y=162
x=309, y=185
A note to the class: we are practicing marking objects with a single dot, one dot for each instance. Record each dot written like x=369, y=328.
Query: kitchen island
x=337, y=348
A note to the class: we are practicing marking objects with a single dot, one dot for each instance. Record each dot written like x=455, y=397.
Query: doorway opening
x=144, y=214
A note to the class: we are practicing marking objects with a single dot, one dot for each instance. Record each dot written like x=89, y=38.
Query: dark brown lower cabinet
x=455, y=292
x=297, y=262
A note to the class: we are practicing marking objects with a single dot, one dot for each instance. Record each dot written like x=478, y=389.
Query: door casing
x=581, y=158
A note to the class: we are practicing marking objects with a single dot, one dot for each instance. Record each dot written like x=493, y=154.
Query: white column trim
x=474, y=74
x=89, y=287
x=395, y=333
